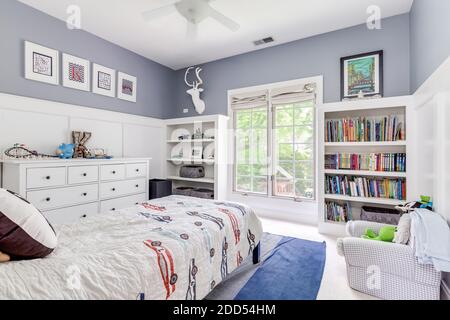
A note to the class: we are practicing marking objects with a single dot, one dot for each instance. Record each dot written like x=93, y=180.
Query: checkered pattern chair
x=386, y=270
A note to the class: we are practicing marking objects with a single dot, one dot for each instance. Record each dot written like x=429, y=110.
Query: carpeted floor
x=290, y=268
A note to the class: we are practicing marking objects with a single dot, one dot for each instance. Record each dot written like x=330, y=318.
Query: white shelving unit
x=179, y=147
x=362, y=108
x=366, y=173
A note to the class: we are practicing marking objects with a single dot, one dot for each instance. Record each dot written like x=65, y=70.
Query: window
x=251, y=150
x=293, y=137
x=274, y=143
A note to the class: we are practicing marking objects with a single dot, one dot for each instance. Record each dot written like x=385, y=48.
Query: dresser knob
x=47, y=177
x=84, y=216
x=113, y=209
x=137, y=170
x=84, y=174
x=113, y=189
x=136, y=203
x=137, y=186
x=113, y=172
x=47, y=199
x=84, y=194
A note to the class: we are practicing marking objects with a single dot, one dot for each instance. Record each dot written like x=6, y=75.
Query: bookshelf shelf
x=398, y=110
x=185, y=160
x=366, y=173
x=191, y=141
x=390, y=202
x=366, y=144
x=200, y=180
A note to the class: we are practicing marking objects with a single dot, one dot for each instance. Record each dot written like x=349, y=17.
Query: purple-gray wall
x=319, y=55
x=414, y=45
x=19, y=22
x=430, y=38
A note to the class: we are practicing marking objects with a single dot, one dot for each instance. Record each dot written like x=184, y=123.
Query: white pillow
x=24, y=231
x=403, y=232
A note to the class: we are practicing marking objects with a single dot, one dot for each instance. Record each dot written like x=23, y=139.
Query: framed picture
x=197, y=152
x=103, y=80
x=41, y=63
x=362, y=73
x=76, y=73
x=126, y=88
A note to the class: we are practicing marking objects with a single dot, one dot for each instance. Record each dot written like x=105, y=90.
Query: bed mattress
x=170, y=248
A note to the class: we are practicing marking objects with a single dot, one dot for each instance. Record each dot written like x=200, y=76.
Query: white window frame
x=318, y=80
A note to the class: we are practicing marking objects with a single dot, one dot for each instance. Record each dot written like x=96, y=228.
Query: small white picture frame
x=126, y=87
x=76, y=73
x=103, y=80
x=197, y=152
x=41, y=63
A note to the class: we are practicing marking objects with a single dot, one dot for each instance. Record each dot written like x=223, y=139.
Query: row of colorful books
x=371, y=129
x=366, y=187
x=337, y=212
x=390, y=162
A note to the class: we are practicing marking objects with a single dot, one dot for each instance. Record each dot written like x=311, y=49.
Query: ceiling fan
x=194, y=11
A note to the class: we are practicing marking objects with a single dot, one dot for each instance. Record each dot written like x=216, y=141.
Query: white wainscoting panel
x=30, y=128
x=105, y=134
x=145, y=141
x=43, y=125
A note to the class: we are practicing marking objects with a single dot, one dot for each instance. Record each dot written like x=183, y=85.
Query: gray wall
x=430, y=38
x=19, y=22
x=319, y=55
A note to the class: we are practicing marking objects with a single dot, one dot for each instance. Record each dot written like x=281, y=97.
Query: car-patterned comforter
x=170, y=248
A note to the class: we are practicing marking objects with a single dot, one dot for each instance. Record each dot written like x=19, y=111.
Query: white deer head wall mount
x=195, y=90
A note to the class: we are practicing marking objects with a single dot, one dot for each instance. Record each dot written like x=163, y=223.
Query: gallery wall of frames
x=43, y=64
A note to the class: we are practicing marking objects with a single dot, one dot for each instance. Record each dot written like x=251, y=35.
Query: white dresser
x=68, y=190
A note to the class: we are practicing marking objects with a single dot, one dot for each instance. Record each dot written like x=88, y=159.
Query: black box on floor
x=159, y=188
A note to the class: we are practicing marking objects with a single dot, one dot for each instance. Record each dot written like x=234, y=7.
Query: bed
x=172, y=248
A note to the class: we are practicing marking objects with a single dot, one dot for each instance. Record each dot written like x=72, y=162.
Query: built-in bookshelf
x=198, y=141
x=363, y=158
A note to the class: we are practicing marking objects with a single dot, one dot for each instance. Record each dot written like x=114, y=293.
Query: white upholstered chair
x=386, y=270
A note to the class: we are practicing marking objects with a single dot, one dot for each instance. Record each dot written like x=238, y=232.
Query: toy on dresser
x=21, y=151
x=65, y=151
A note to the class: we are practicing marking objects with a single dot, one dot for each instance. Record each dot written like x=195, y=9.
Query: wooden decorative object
x=80, y=139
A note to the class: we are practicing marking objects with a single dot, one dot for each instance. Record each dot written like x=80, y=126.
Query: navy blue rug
x=292, y=271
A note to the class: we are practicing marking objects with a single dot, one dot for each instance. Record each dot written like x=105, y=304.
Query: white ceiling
x=165, y=41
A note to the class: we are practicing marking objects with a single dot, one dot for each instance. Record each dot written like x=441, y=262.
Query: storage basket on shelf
x=380, y=215
x=203, y=193
x=183, y=191
x=193, y=172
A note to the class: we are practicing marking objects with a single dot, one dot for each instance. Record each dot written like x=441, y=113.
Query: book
x=338, y=212
x=365, y=129
x=388, y=162
x=366, y=187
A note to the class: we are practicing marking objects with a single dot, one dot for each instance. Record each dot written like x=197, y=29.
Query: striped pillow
x=24, y=231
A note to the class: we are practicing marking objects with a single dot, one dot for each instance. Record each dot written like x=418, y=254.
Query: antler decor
x=195, y=91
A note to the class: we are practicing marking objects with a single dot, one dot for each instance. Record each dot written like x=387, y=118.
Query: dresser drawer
x=135, y=170
x=120, y=188
x=112, y=172
x=72, y=214
x=46, y=177
x=83, y=174
x=69, y=196
x=121, y=203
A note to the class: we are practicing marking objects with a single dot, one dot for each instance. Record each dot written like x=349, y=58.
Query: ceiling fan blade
x=221, y=18
x=192, y=31
x=160, y=12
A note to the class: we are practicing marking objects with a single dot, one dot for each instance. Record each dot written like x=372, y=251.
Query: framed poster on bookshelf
x=362, y=74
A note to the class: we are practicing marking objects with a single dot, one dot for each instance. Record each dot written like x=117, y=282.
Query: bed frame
x=257, y=254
